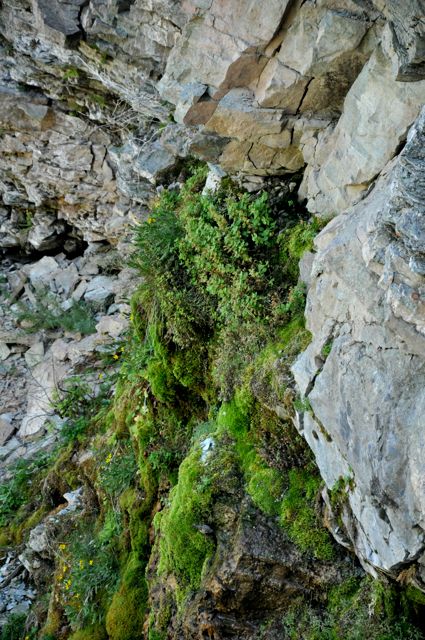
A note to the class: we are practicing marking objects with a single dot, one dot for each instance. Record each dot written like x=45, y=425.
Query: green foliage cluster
x=355, y=609
x=300, y=516
x=220, y=270
x=47, y=313
x=89, y=573
x=17, y=491
x=14, y=629
x=119, y=469
x=71, y=73
x=291, y=494
x=79, y=401
x=217, y=323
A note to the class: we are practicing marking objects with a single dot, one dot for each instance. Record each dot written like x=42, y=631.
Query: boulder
x=41, y=272
x=100, y=290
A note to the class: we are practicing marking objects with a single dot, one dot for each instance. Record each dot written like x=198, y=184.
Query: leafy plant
x=88, y=574
x=78, y=402
x=46, y=313
x=16, y=492
x=71, y=73
x=14, y=629
x=118, y=470
x=220, y=268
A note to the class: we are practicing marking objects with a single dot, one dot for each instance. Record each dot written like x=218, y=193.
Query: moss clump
x=299, y=513
x=183, y=548
x=355, y=609
x=126, y=613
x=96, y=632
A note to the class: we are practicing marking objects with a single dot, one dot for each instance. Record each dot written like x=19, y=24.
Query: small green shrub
x=14, y=629
x=221, y=269
x=88, y=576
x=118, y=469
x=77, y=402
x=71, y=73
x=350, y=614
x=17, y=491
x=46, y=313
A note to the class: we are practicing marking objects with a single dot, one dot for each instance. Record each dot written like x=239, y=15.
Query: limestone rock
x=350, y=158
x=34, y=355
x=40, y=273
x=407, y=36
x=4, y=351
x=6, y=430
x=114, y=326
x=237, y=117
x=99, y=290
x=46, y=377
x=367, y=395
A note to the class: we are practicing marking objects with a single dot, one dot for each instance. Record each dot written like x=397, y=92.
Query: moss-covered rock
x=93, y=632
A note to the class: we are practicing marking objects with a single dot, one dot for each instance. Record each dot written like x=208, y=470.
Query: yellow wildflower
x=115, y=356
x=62, y=546
x=90, y=562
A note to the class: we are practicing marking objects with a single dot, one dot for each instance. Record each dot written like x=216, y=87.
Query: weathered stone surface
x=6, y=430
x=281, y=86
x=41, y=273
x=34, y=355
x=210, y=45
x=4, y=351
x=99, y=290
x=238, y=117
x=407, y=35
x=322, y=34
x=349, y=159
x=113, y=326
x=59, y=15
x=46, y=377
x=367, y=396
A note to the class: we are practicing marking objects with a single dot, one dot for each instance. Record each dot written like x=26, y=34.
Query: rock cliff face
x=102, y=101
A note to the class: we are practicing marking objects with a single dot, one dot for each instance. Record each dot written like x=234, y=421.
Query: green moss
x=299, y=515
x=125, y=616
x=354, y=611
x=19, y=530
x=414, y=596
x=4, y=537
x=183, y=549
x=71, y=73
x=96, y=632
x=265, y=487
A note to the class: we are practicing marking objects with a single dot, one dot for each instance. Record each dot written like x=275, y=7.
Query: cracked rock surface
x=367, y=395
